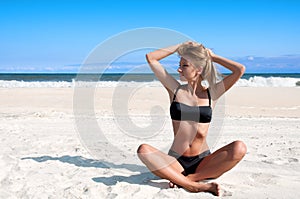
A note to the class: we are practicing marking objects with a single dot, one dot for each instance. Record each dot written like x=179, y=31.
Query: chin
x=182, y=78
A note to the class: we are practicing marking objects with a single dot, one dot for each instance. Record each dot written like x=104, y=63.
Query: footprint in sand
x=264, y=178
x=293, y=160
x=226, y=193
x=262, y=155
x=277, y=161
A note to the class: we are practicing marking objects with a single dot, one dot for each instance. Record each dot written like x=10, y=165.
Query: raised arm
x=169, y=82
x=236, y=68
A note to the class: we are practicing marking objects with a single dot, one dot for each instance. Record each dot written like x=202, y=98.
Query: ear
x=199, y=71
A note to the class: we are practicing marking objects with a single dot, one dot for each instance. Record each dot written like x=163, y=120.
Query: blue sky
x=57, y=35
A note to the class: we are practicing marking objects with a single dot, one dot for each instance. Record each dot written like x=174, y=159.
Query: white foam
x=65, y=84
x=255, y=81
x=37, y=84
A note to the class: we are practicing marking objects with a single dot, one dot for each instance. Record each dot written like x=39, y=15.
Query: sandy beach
x=45, y=155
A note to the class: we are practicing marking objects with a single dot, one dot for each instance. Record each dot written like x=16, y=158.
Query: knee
x=239, y=150
x=143, y=151
x=143, y=148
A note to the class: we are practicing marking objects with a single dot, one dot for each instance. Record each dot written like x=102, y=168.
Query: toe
x=171, y=184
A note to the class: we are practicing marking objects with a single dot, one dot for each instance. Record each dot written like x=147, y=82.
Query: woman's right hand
x=210, y=54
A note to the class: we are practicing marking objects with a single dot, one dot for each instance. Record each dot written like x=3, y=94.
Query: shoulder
x=181, y=87
x=174, y=92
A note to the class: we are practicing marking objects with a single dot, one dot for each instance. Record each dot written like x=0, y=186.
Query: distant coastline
x=139, y=77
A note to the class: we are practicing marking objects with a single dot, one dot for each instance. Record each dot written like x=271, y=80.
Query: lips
x=182, y=78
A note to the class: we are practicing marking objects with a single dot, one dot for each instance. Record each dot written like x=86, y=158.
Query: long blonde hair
x=199, y=56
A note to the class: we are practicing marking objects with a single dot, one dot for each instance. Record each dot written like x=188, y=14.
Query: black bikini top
x=183, y=112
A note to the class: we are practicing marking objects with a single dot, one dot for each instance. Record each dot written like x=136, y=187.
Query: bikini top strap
x=176, y=92
x=209, y=98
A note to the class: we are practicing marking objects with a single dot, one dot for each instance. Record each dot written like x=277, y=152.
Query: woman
x=189, y=159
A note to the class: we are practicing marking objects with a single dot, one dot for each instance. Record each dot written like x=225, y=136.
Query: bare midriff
x=189, y=137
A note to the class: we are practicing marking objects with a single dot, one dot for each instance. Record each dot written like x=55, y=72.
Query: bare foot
x=212, y=188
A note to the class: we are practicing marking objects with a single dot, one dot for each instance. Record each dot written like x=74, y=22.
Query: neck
x=195, y=85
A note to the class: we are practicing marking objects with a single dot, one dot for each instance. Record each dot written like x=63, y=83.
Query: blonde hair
x=199, y=56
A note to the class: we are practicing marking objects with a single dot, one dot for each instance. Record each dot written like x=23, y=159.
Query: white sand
x=42, y=155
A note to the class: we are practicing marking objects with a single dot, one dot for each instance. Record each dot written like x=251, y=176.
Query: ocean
x=10, y=80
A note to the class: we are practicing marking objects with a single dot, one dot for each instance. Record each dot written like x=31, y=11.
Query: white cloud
x=250, y=58
x=49, y=69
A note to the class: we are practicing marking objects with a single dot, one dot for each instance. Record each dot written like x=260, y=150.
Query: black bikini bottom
x=189, y=163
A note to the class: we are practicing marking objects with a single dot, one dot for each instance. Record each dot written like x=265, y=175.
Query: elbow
x=149, y=57
x=242, y=70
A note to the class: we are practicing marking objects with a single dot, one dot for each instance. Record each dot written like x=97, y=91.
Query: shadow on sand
x=144, y=177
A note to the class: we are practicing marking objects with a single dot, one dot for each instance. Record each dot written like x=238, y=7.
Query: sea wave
x=258, y=81
x=255, y=81
x=73, y=84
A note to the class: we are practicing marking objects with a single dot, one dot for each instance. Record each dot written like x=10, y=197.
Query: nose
x=179, y=70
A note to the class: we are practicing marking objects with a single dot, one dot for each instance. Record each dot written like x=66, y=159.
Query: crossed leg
x=168, y=167
x=219, y=162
